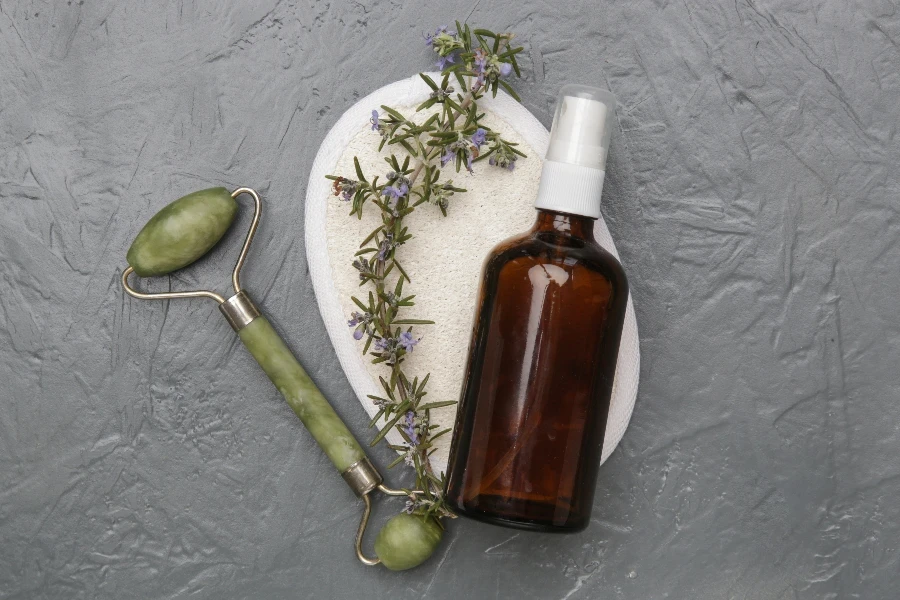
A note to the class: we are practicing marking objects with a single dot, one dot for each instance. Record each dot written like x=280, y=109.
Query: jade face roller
x=181, y=233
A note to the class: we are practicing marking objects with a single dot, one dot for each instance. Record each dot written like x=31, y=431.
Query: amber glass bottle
x=532, y=415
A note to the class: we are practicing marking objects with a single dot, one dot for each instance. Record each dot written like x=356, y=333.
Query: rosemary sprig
x=477, y=61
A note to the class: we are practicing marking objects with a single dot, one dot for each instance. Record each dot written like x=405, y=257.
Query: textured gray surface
x=752, y=190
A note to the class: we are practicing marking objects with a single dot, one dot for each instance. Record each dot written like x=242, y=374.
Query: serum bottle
x=535, y=399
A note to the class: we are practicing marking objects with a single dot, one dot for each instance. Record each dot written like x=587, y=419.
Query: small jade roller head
x=407, y=540
x=182, y=232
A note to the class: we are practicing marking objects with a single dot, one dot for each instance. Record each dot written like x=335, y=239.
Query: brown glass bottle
x=532, y=415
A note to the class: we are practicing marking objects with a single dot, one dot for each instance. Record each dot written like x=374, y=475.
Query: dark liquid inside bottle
x=530, y=425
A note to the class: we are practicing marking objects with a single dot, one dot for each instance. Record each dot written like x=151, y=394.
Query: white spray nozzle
x=582, y=126
x=575, y=166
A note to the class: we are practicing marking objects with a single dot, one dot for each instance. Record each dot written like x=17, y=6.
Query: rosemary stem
x=395, y=208
x=379, y=270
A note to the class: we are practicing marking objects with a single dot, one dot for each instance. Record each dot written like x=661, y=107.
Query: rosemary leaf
x=436, y=404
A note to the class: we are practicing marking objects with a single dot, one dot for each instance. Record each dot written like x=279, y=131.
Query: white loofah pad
x=444, y=258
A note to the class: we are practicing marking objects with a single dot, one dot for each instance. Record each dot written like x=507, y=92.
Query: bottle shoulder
x=565, y=251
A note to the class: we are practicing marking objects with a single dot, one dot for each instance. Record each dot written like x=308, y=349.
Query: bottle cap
x=582, y=126
x=575, y=164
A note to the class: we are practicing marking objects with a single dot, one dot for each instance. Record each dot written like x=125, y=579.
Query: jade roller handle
x=185, y=230
x=298, y=389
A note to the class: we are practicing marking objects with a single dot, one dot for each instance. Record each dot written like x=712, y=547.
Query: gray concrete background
x=752, y=191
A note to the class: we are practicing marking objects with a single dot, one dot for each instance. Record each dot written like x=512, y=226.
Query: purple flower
x=376, y=124
x=429, y=37
x=345, y=188
x=447, y=157
x=365, y=270
x=504, y=161
x=443, y=61
x=409, y=427
x=396, y=192
x=505, y=69
x=407, y=341
x=361, y=322
x=385, y=247
x=479, y=137
x=481, y=58
x=381, y=344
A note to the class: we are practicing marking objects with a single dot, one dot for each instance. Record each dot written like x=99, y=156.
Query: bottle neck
x=576, y=226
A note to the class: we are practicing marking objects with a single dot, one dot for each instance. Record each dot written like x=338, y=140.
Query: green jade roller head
x=183, y=232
